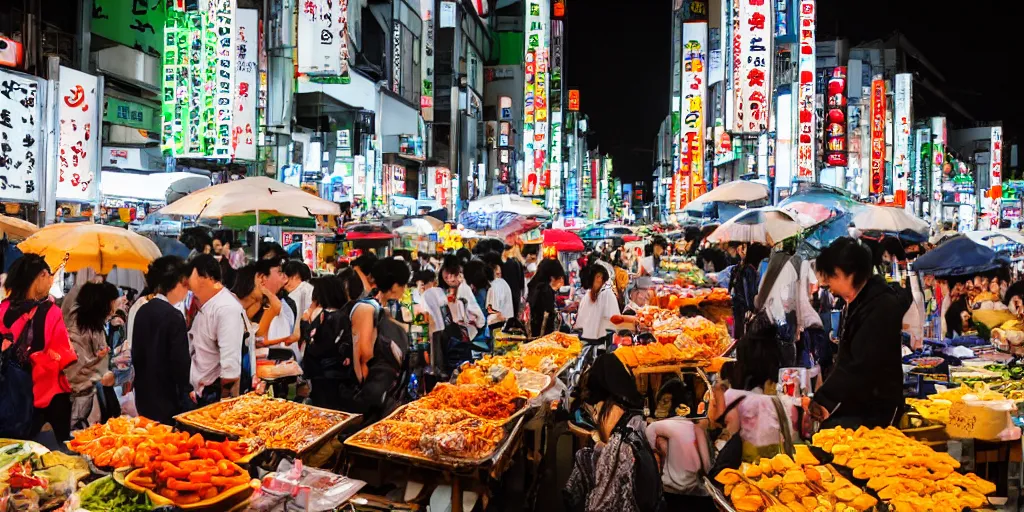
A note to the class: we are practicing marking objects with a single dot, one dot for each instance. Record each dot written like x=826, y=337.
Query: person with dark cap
x=621, y=474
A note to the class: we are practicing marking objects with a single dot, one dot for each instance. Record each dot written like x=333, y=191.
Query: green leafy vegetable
x=106, y=495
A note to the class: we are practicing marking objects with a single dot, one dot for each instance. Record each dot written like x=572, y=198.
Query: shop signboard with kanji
x=753, y=94
x=805, y=92
x=695, y=37
x=902, y=94
x=21, y=132
x=243, y=132
x=535, y=105
x=877, y=136
x=135, y=23
x=835, y=119
x=321, y=37
x=78, y=118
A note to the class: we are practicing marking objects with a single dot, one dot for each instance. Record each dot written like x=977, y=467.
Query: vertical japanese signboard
x=753, y=93
x=902, y=94
x=20, y=134
x=574, y=100
x=675, y=190
x=555, y=105
x=835, y=122
x=805, y=93
x=535, y=100
x=199, y=88
x=135, y=23
x=877, y=136
x=695, y=37
x=224, y=48
x=995, y=175
x=938, y=161
x=427, y=61
x=243, y=134
x=922, y=159
x=78, y=115
x=320, y=37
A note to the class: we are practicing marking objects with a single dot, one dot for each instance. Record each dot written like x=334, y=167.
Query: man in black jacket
x=160, y=351
x=866, y=384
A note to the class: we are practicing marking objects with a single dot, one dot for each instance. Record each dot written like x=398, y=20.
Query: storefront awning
x=160, y=187
x=360, y=93
x=397, y=117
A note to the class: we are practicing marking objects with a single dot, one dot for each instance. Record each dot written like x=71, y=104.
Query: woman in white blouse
x=598, y=305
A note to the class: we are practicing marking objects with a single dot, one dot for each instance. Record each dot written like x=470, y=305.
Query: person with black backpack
x=373, y=345
x=623, y=475
x=34, y=351
x=321, y=329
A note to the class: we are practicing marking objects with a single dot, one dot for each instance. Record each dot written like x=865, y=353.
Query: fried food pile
x=184, y=469
x=278, y=424
x=545, y=355
x=781, y=484
x=679, y=340
x=906, y=473
x=463, y=422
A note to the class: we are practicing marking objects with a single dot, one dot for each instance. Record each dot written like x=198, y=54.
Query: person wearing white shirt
x=283, y=335
x=597, y=306
x=461, y=300
x=217, y=334
x=499, y=295
x=297, y=285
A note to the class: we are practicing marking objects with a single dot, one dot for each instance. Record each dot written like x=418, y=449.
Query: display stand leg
x=456, y=494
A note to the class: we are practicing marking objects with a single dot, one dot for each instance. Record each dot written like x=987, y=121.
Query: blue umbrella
x=170, y=246
x=822, y=235
x=958, y=256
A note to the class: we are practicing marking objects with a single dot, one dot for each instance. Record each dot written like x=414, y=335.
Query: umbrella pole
x=256, y=255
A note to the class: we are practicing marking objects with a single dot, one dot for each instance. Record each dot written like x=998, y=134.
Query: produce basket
x=222, y=501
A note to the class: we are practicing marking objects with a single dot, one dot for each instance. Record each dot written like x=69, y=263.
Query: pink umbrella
x=818, y=212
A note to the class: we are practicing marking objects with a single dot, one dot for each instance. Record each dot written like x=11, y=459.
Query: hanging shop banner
x=535, y=115
x=243, y=134
x=129, y=113
x=835, y=119
x=725, y=45
x=922, y=158
x=135, y=23
x=736, y=43
x=902, y=95
x=805, y=93
x=753, y=95
x=199, y=50
x=21, y=131
x=78, y=114
x=320, y=37
x=995, y=173
x=554, y=179
x=877, y=136
x=938, y=161
x=695, y=37
x=574, y=100
x=676, y=106
x=427, y=61
x=224, y=48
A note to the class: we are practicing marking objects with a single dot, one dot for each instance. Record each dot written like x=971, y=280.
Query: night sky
x=617, y=54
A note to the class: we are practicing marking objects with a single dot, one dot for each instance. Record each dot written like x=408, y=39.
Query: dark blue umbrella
x=958, y=256
x=822, y=235
x=170, y=246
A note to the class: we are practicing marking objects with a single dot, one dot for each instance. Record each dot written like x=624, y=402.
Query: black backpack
x=17, y=404
x=383, y=388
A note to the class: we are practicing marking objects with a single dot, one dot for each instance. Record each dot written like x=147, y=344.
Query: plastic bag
x=127, y=402
x=298, y=487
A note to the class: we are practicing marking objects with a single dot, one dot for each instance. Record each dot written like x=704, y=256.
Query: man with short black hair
x=284, y=329
x=297, y=285
x=364, y=268
x=160, y=348
x=217, y=334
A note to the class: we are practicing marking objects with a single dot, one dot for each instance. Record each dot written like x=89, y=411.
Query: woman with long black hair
x=37, y=361
x=90, y=376
x=321, y=328
x=549, y=278
x=743, y=285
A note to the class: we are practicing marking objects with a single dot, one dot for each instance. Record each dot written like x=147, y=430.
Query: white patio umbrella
x=258, y=196
x=889, y=219
x=508, y=203
x=996, y=238
x=767, y=225
x=415, y=226
x=732, y=192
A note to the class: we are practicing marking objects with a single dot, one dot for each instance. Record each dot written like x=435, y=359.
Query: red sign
x=574, y=100
x=877, y=136
x=835, y=119
x=594, y=178
x=559, y=8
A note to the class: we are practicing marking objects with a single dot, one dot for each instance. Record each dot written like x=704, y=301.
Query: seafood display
x=277, y=424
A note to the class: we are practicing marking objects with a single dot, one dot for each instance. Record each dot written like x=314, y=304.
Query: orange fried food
x=491, y=403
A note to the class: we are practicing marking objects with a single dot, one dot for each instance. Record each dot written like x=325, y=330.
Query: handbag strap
x=784, y=426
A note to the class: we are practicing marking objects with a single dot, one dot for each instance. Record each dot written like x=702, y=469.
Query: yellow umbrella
x=16, y=228
x=87, y=245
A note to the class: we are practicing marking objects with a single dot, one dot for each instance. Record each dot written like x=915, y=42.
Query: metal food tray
x=442, y=463
x=318, y=441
